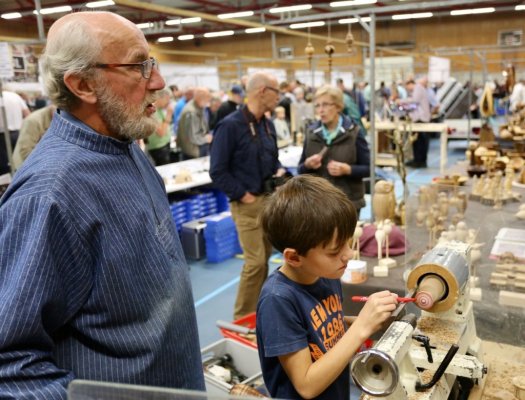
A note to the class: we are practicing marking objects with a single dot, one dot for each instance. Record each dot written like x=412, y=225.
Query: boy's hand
x=376, y=310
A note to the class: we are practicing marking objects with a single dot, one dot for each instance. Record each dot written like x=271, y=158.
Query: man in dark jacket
x=243, y=160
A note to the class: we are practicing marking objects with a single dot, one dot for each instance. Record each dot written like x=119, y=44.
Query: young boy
x=302, y=336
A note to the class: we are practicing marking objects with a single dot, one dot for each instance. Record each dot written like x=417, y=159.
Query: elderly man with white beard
x=93, y=281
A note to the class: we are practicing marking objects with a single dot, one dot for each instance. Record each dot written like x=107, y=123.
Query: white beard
x=122, y=119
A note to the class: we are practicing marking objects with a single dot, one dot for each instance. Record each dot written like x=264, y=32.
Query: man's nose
x=156, y=81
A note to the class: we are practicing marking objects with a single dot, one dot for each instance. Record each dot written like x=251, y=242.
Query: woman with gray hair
x=335, y=147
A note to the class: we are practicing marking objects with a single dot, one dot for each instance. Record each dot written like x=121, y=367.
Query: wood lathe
x=436, y=354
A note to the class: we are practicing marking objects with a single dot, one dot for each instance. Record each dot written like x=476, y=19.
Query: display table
x=503, y=324
x=387, y=159
x=199, y=169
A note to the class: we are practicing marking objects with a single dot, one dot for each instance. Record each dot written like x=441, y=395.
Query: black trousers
x=4, y=162
x=161, y=155
x=420, y=147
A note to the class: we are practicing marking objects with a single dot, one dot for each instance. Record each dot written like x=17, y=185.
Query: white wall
x=184, y=75
x=389, y=69
x=305, y=76
x=279, y=73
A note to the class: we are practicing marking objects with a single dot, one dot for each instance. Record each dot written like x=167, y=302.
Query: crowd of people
x=93, y=280
x=202, y=108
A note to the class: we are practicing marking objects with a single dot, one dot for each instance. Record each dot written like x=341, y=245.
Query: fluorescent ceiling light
x=299, y=7
x=165, y=39
x=412, y=16
x=183, y=21
x=102, y=3
x=307, y=25
x=473, y=11
x=239, y=14
x=12, y=15
x=520, y=8
x=353, y=20
x=255, y=30
x=145, y=25
x=54, y=10
x=190, y=20
x=351, y=3
x=185, y=37
x=217, y=34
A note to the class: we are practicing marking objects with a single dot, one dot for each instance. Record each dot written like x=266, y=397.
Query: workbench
x=504, y=362
x=389, y=159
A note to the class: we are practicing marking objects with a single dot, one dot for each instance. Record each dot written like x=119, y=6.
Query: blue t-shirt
x=291, y=317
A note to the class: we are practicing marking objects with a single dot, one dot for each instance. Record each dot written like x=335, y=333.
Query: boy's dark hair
x=305, y=212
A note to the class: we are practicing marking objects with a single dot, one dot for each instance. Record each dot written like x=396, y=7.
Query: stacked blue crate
x=208, y=203
x=194, y=208
x=220, y=237
x=222, y=200
x=179, y=213
x=209, y=206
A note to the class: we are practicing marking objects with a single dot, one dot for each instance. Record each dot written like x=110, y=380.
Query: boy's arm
x=312, y=378
x=349, y=320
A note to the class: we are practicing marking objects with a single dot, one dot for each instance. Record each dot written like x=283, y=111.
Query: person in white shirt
x=517, y=98
x=16, y=110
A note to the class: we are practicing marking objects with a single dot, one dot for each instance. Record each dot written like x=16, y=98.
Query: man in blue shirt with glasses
x=93, y=281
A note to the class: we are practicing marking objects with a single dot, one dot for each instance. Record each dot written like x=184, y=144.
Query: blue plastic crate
x=220, y=236
x=222, y=200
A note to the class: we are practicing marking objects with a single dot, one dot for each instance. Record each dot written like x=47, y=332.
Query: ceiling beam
x=159, y=49
x=249, y=24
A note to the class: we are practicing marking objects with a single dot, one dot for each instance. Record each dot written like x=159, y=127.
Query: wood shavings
x=442, y=333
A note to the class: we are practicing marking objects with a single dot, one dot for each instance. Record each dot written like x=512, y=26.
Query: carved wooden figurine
x=358, y=232
x=387, y=261
x=384, y=201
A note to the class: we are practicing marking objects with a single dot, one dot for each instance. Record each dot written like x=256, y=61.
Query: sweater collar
x=346, y=125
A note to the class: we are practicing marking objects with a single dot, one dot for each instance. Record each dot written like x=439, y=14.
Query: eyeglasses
x=145, y=67
x=323, y=105
x=276, y=91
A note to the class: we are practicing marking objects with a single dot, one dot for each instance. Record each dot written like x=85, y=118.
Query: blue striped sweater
x=93, y=281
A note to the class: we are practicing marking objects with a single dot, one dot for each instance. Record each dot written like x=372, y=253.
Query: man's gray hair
x=72, y=48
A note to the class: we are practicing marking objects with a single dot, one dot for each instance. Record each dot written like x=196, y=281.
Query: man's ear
x=292, y=257
x=81, y=87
